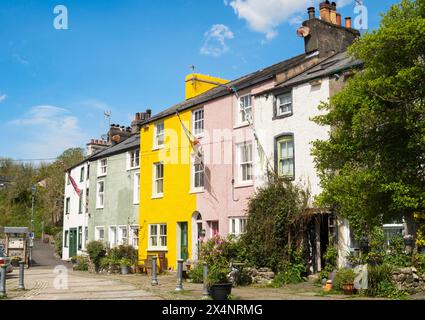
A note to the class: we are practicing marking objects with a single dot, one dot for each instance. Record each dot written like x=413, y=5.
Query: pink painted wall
x=220, y=200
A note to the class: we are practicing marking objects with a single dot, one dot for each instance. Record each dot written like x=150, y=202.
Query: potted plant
x=215, y=252
x=15, y=261
x=346, y=279
x=124, y=264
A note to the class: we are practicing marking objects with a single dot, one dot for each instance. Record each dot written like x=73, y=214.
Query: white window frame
x=121, y=240
x=97, y=233
x=136, y=188
x=196, y=131
x=240, y=148
x=158, y=236
x=98, y=205
x=102, y=169
x=156, y=136
x=242, y=109
x=115, y=242
x=288, y=105
x=131, y=159
x=236, y=225
x=193, y=172
x=134, y=237
x=155, y=180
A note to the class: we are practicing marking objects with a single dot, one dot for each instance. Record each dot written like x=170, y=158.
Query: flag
x=74, y=184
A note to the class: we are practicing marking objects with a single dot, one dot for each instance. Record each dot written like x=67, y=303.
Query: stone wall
x=409, y=280
x=261, y=275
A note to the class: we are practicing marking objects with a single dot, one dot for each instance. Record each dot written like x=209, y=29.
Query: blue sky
x=126, y=56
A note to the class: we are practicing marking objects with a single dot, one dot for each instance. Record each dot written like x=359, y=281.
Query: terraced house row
x=176, y=178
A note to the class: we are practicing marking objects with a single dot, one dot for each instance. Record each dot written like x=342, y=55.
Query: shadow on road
x=43, y=256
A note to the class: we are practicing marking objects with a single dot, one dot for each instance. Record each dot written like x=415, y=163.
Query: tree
x=276, y=223
x=372, y=167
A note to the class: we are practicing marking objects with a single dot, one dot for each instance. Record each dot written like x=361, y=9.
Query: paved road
x=53, y=279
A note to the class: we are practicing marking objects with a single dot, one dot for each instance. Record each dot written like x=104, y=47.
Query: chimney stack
x=338, y=19
x=333, y=13
x=325, y=11
x=139, y=118
x=311, y=13
x=348, y=22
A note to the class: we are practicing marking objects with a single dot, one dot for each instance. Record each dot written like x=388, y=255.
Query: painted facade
x=114, y=194
x=75, y=219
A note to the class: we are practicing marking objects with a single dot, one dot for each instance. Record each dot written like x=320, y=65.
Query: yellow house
x=167, y=203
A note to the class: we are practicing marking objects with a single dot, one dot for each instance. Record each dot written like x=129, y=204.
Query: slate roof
x=333, y=65
x=240, y=84
x=130, y=143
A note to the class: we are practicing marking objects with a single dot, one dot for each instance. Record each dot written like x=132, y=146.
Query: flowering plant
x=217, y=253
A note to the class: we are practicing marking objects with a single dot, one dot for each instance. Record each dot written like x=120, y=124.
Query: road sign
x=31, y=235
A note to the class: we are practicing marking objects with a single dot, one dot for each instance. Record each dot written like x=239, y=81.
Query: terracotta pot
x=348, y=288
x=328, y=286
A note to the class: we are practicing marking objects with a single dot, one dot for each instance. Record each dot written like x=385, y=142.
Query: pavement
x=50, y=278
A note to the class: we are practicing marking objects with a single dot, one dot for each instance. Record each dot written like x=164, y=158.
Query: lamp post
x=33, y=190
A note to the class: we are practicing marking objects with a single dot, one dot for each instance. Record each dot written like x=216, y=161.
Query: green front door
x=184, y=244
x=72, y=242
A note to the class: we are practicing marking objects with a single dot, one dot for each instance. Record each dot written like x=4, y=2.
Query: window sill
x=158, y=148
x=136, y=203
x=133, y=168
x=156, y=249
x=244, y=184
x=157, y=196
x=102, y=175
x=100, y=208
x=241, y=125
x=194, y=191
x=282, y=116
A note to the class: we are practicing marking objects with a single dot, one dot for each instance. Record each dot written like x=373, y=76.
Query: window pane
x=154, y=230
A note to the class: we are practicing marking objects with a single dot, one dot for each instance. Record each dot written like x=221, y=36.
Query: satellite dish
x=303, y=32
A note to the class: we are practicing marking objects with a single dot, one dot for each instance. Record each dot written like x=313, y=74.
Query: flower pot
x=328, y=286
x=348, y=288
x=220, y=291
x=124, y=270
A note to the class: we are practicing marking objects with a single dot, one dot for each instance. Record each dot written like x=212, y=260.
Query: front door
x=72, y=242
x=184, y=244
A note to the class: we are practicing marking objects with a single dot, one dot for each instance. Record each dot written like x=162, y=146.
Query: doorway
x=72, y=242
x=183, y=241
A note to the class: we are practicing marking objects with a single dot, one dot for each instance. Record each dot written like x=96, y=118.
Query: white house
x=75, y=220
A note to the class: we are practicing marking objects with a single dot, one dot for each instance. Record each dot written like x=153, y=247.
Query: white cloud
x=215, y=40
x=265, y=16
x=48, y=131
x=2, y=97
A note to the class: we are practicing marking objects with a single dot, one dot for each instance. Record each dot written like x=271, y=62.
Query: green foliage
x=420, y=263
x=330, y=257
x=58, y=243
x=196, y=274
x=397, y=255
x=376, y=275
x=81, y=264
x=123, y=252
x=15, y=199
x=275, y=215
x=387, y=289
x=96, y=251
x=291, y=271
x=126, y=262
x=343, y=276
x=371, y=168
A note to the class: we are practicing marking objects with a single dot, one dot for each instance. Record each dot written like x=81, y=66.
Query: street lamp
x=33, y=190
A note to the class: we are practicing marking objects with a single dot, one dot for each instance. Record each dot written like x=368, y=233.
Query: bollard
x=179, y=275
x=3, y=281
x=21, y=285
x=154, y=276
x=205, y=274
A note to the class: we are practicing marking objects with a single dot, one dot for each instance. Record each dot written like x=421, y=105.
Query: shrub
x=196, y=274
x=343, y=276
x=397, y=255
x=420, y=263
x=96, y=251
x=58, y=243
x=81, y=264
x=331, y=257
x=376, y=275
x=292, y=274
x=123, y=252
x=387, y=289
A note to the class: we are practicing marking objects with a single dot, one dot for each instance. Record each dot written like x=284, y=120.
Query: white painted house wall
x=75, y=219
x=305, y=101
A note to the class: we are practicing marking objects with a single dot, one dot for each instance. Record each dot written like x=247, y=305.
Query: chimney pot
x=149, y=112
x=325, y=11
x=348, y=22
x=338, y=19
x=311, y=13
x=332, y=10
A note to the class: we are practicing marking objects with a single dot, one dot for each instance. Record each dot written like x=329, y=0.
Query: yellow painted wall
x=177, y=204
x=199, y=83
